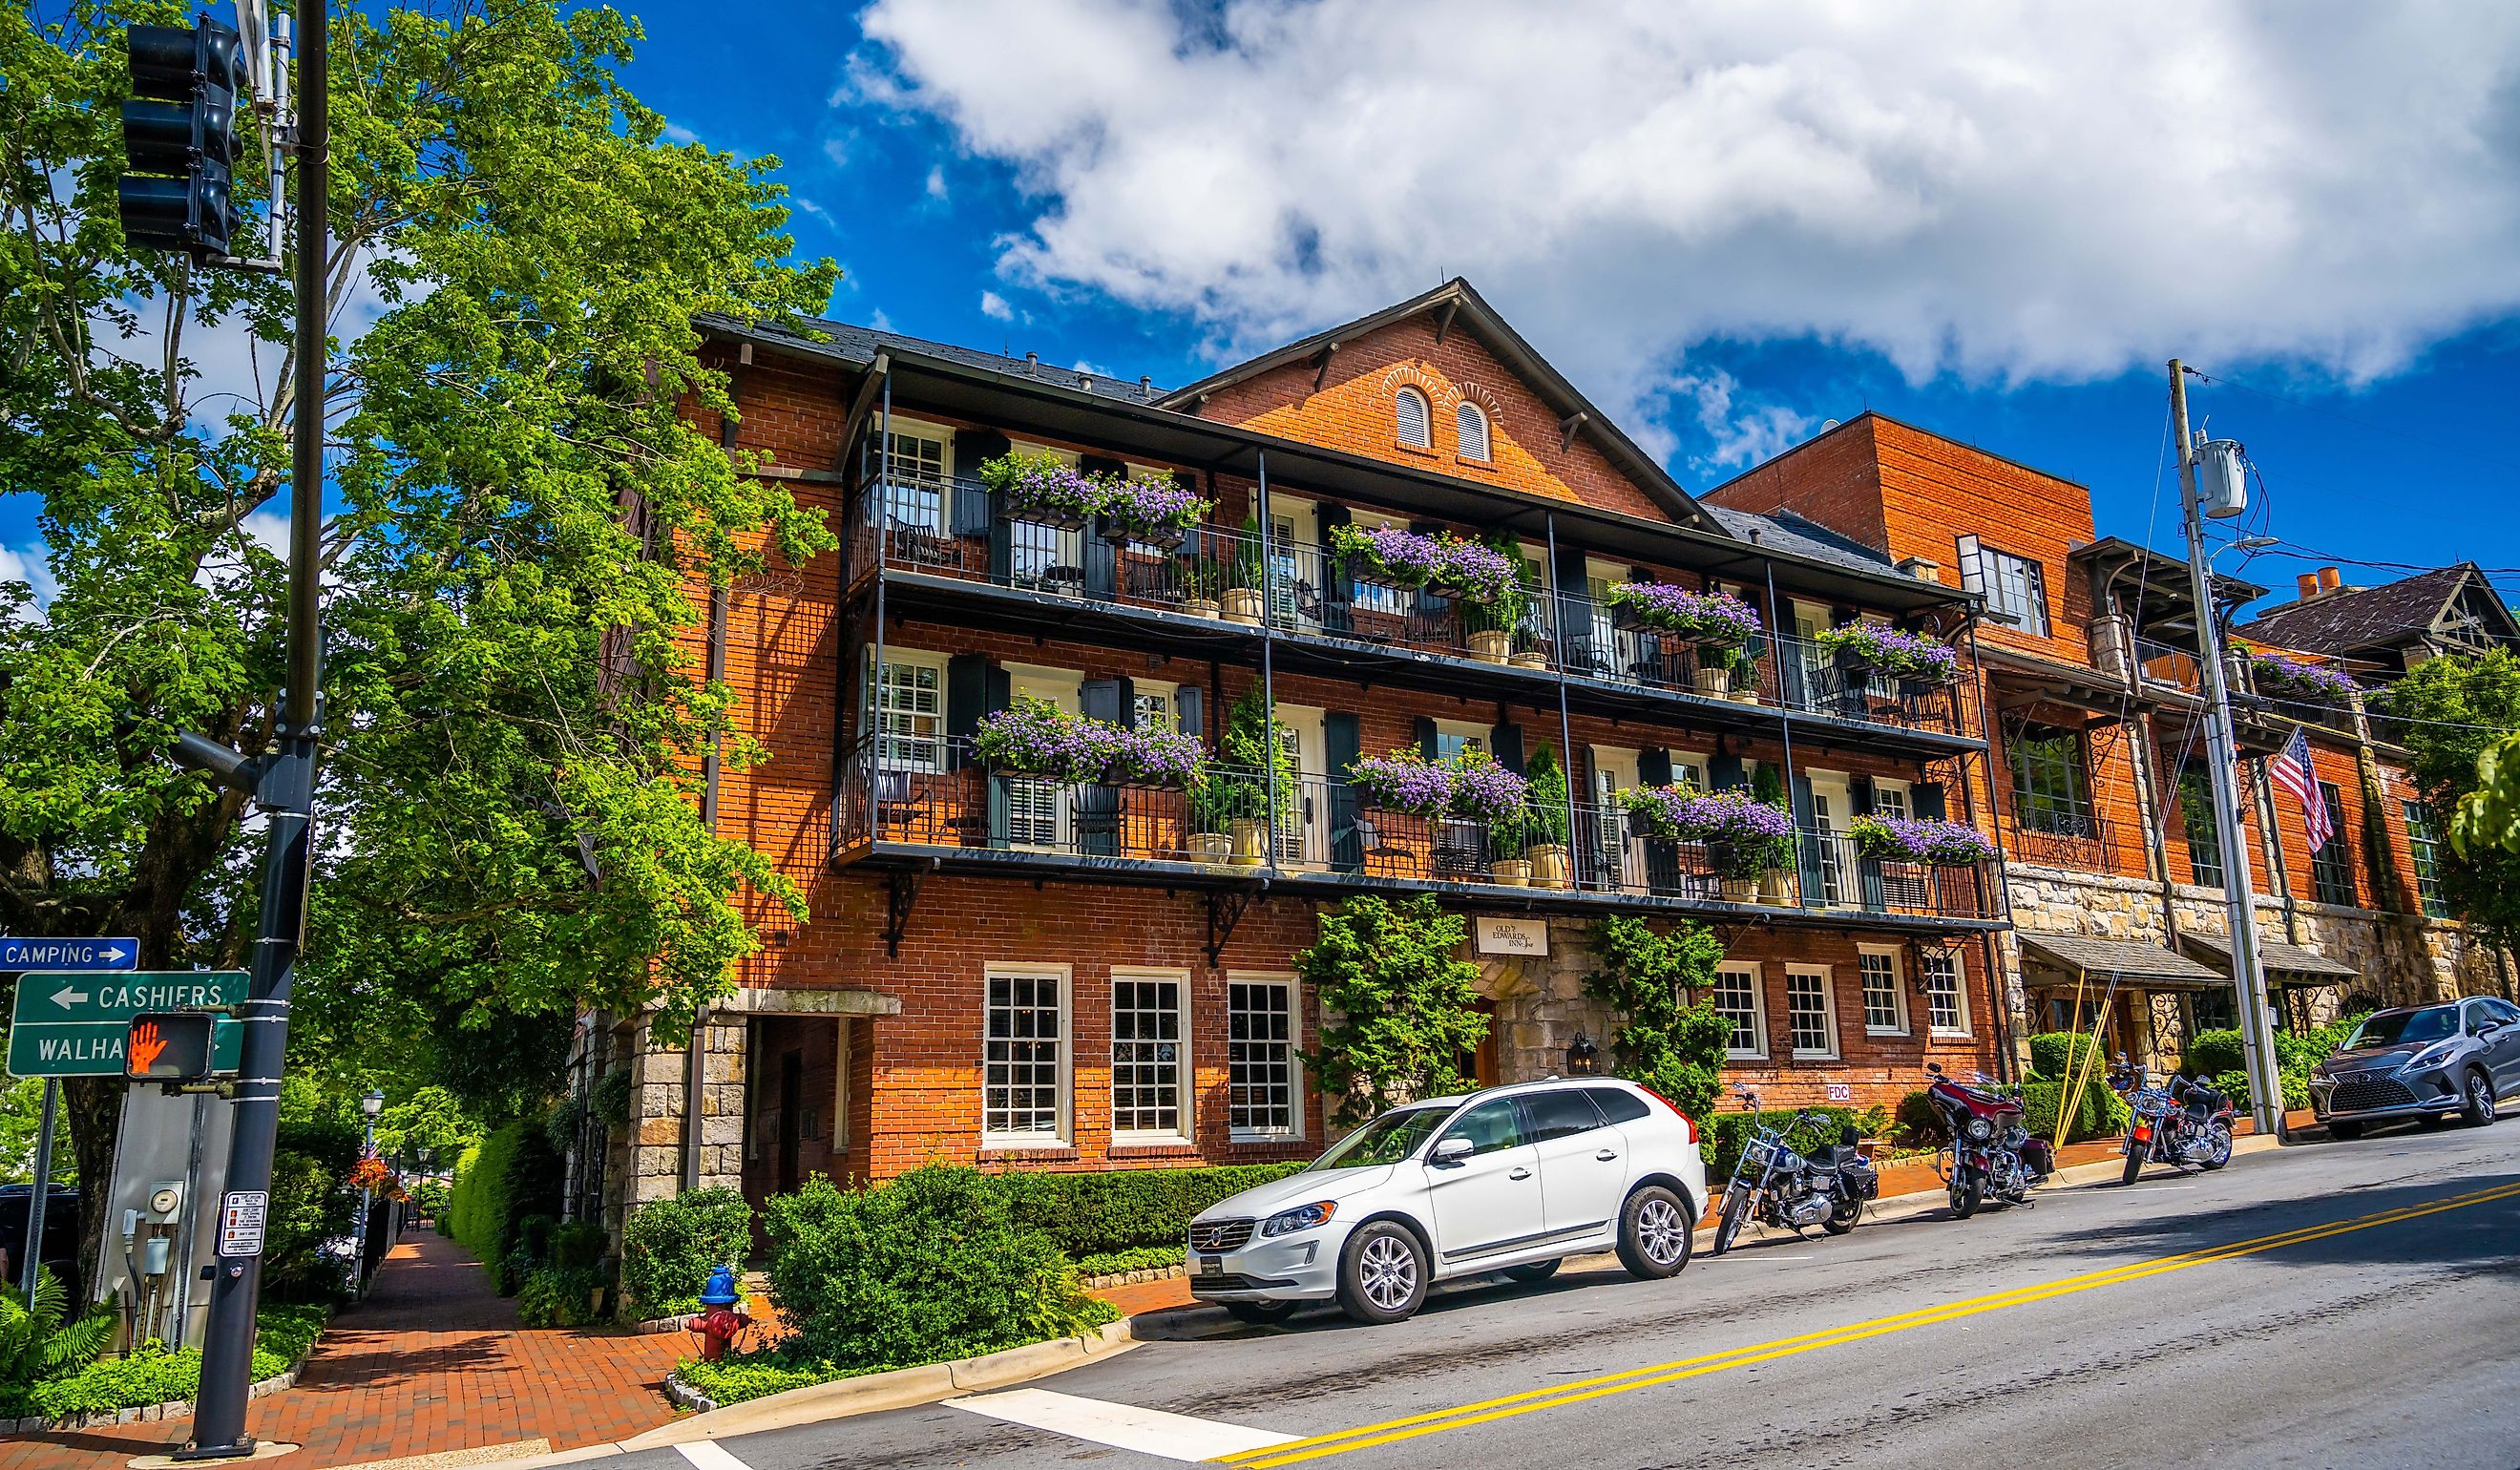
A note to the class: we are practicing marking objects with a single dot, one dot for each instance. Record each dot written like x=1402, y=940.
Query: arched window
x=1473, y=424
x=1413, y=424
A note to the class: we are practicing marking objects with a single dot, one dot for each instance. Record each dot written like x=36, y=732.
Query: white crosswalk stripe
x=710, y=1454
x=1122, y=1426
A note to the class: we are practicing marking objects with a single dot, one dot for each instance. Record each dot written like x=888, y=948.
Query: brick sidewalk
x=432, y=1361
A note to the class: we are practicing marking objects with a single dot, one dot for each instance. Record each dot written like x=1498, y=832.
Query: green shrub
x=509, y=1177
x=2235, y=1084
x=1918, y=1124
x=2103, y=1113
x=929, y=1266
x=1096, y=1214
x=2211, y=1054
x=2054, y=1055
x=668, y=1246
x=1673, y=1048
x=428, y=1200
x=1142, y=1257
x=42, y=1339
x=154, y=1375
x=1406, y=998
x=758, y=1375
x=310, y=1204
x=579, y=1246
x=552, y=1296
x=1723, y=1135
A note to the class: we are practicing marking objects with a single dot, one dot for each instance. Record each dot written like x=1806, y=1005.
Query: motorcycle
x=1990, y=1155
x=1778, y=1187
x=2186, y=1123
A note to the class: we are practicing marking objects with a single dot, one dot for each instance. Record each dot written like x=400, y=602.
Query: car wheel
x=1382, y=1274
x=1261, y=1314
x=2343, y=1131
x=1655, y=1233
x=2477, y=1106
x=1535, y=1271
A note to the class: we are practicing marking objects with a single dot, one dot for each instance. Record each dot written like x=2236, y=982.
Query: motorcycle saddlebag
x=2038, y=1157
x=1862, y=1179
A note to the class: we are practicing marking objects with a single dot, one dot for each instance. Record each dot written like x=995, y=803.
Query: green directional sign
x=74, y=1024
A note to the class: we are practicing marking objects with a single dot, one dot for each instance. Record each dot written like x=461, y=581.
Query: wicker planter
x=1491, y=644
x=1715, y=681
x=1202, y=607
x=1512, y=872
x=1244, y=605
x=1739, y=890
x=1549, y=864
x=1772, y=886
x=1211, y=847
x=1250, y=842
x=1528, y=658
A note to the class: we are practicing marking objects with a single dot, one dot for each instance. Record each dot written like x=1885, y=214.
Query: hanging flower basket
x=1158, y=513
x=1472, y=573
x=1901, y=655
x=1485, y=791
x=1403, y=782
x=1036, y=737
x=1743, y=835
x=1043, y=489
x=2277, y=673
x=1921, y=839
x=1716, y=618
x=1387, y=556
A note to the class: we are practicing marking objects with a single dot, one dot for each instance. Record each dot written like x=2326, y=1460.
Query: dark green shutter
x=1868, y=871
x=1662, y=855
x=976, y=509
x=1339, y=594
x=1806, y=846
x=1859, y=793
x=1574, y=611
x=1423, y=731
x=1505, y=742
x=1341, y=745
x=1926, y=799
x=967, y=699
x=1098, y=806
x=1190, y=711
x=1654, y=768
x=1724, y=772
x=1102, y=553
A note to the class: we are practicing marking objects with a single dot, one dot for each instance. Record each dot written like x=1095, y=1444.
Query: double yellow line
x=1560, y=1396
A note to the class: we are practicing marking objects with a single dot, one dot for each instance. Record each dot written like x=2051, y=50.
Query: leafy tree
x=1404, y=1001
x=431, y=1127
x=516, y=516
x=2490, y=815
x=2455, y=710
x=1665, y=1043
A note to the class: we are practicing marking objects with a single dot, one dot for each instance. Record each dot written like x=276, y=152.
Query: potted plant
x=1035, y=738
x=1492, y=623
x=1930, y=841
x=1040, y=487
x=1217, y=802
x=1509, y=834
x=1544, y=830
x=1914, y=659
x=1246, y=575
x=1471, y=571
x=1155, y=511
x=1657, y=812
x=1241, y=801
x=1403, y=782
x=1199, y=579
x=1168, y=760
x=2277, y=673
x=1493, y=798
x=1768, y=790
x=1388, y=555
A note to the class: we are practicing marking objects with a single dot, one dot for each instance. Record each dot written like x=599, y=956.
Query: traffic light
x=179, y=135
x=169, y=1046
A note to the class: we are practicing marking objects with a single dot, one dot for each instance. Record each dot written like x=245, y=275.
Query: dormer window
x=1471, y=422
x=1411, y=423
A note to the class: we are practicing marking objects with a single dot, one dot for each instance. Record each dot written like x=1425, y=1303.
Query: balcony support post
x=1269, y=751
x=873, y=703
x=1557, y=666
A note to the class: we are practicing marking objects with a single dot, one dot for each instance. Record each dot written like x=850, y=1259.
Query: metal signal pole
x=285, y=792
x=2248, y=976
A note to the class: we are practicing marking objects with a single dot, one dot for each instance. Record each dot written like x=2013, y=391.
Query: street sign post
x=69, y=954
x=75, y=1023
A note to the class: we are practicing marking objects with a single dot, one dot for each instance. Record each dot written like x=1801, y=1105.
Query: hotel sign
x=1513, y=938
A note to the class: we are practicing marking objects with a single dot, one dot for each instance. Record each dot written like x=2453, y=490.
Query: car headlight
x=1300, y=1217
x=1979, y=1130
x=2433, y=1056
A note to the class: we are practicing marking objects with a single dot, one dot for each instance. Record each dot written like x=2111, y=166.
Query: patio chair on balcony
x=1378, y=856
x=1461, y=850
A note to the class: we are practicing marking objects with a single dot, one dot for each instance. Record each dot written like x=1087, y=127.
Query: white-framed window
x=1411, y=423
x=905, y=709
x=923, y=461
x=1945, y=993
x=1023, y=1081
x=2015, y=587
x=1470, y=423
x=1150, y=1055
x=1263, y=1076
x=1453, y=737
x=1689, y=769
x=1890, y=798
x=1737, y=999
x=1153, y=709
x=1885, y=999
x=1810, y=1013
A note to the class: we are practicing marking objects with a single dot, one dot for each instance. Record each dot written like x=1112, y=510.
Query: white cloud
x=936, y=182
x=837, y=149
x=26, y=563
x=878, y=321
x=994, y=305
x=679, y=135
x=1736, y=434
x=2009, y=193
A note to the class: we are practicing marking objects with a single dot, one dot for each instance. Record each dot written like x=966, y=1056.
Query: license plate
x=1211, y=1265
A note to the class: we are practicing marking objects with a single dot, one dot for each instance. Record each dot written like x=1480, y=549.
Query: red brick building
x=1003, y=970
x=2087, y=667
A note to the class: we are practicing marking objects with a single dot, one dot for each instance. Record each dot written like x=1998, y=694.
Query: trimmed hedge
x=668, y=1247
x=1099, y=1213
x=2211, y=1054
x=507, y=1178
x=2103, y=1112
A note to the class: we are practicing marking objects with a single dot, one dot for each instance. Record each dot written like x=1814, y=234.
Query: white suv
x=1508, y=1180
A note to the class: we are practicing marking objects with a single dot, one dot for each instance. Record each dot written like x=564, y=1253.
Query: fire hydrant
x=723, y=1321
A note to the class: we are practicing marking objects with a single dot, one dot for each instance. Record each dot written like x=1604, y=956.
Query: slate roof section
x=2276, y=954
x=1786, y=531
x=859, y=345
x=2100, y=959
x=2384, y=617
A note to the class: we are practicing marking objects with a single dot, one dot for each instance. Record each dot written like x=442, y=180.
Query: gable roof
x=1455, y=303
x=2390, y=615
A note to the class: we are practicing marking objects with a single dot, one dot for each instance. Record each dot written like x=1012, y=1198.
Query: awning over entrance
x=2286, y=965
x=2147, y=964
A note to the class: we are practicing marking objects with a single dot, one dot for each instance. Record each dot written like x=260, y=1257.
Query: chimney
x=2328, y=580
x=1085, y=381
x=1922, y=568
x=2308, y=582
x=1032, y=362
x=1145, y=387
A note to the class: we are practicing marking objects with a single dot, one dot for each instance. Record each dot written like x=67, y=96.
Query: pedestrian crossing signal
x=169, y=1046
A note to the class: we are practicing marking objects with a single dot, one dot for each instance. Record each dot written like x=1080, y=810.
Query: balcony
x=1221, y=581
x=927, y=800
x=2055, y=835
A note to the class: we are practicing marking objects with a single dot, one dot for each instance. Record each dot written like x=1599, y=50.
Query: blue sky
x=1728, y=223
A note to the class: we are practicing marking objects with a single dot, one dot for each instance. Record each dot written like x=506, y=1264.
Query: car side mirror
x=1450, y=1152
x=2487, y=1028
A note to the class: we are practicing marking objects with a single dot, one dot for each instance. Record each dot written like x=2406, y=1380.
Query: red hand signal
x=145, y=1043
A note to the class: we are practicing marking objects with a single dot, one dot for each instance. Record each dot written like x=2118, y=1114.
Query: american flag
x=2291, y=771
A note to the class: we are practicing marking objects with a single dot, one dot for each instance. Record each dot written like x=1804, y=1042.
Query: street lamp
x=1583, y=1058
x=371, y=1104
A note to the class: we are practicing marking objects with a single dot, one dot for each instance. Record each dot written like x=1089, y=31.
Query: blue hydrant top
x=720, y=1290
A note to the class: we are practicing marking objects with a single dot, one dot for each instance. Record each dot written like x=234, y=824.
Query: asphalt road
x=2329, y=1305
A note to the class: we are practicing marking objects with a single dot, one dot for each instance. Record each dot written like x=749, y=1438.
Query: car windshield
x=2395, y=1028
x=1388, y=1139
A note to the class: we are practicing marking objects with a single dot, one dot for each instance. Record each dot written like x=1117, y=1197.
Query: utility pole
x=2248, y=976
x=284, y=789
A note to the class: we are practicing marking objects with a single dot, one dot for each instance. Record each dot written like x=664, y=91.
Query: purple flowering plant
x=1908, y=655
x=1485, y=791
x=1153, y=506
x=1473, y=573
x=1921, y=839
x=2281, y=672
x=1036, y=737
x=1401, y=558
x=1711, y=617
x=1043, y=487
x=1403, y=782
x=1750, y=834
